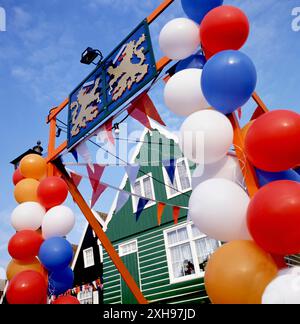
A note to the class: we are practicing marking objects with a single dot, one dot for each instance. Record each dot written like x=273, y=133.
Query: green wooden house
x=167, y=261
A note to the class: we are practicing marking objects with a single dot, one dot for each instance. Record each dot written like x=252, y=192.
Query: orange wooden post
x=132, y=285
x=247, y=169
x=159, y=10
x=51, y=145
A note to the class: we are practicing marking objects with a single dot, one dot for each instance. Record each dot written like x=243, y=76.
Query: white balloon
x=183, y=94
x=58, y=221
x=179, y=38
x=28, y=216
x=284, y=289
x=206, y=136
x=218, y=208
x=227, y=168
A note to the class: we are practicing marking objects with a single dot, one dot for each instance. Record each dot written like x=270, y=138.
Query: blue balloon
x=197, y=9
x=228, y=80
x=298, y=170
x=196, y=61
x=61, y=281
x=56, y=254
x=266, y=177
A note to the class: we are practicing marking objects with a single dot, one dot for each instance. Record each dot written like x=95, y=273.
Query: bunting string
x=129, y=193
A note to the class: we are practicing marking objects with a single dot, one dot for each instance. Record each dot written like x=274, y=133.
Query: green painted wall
x=131, y=262
x=153, y=267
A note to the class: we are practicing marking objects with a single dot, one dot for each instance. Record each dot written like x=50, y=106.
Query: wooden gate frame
x=55, y=164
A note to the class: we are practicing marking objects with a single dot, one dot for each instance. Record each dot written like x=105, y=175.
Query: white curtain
x=148, y=188
x=183, y=176
x=182, y=260
x=205, y=248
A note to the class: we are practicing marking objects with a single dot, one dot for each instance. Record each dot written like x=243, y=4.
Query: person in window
x=189, y=268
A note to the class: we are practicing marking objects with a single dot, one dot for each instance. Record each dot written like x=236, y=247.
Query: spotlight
x=117, y=129
x=89, y=56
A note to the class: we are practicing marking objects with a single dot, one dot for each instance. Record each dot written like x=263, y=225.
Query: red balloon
x=280, y=261
x=69, y=300
x=274, y=217
x=27, y=288
x=17, y=177
x=52, y=191
x=224, y=28
x=25, y=245
x=272, y=142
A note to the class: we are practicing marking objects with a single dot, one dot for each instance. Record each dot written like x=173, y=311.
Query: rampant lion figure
x=88, y=102
x=128, y=73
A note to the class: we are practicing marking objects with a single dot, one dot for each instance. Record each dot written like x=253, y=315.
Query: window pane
x=88, y=256
x=172, y=187
x=172, y=238
x=183, y=176
x=182, y=234
x=138, y=188
x=205, y=248
x=182, y=261
x=148, y=188
x=196, y=232
x=128, y=248
x=177, y=236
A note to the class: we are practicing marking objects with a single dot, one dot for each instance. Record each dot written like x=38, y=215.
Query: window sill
x=187, y=278
x=178, y=193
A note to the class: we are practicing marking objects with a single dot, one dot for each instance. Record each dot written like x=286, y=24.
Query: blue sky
x=39, y=67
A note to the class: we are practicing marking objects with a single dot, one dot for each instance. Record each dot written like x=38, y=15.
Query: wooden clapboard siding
x=153, y=268
x=154, y=275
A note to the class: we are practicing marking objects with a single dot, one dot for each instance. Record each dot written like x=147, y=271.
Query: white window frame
x=135, y=199
x=121, y=246
x=192, y=242
x=167, y=179
x=86, y=263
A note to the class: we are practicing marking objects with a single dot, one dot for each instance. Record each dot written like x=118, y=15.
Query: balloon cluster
x=206, y=87
x=41, y=255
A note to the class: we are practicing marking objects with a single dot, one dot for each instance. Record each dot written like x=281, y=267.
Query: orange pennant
x=160, y=210
x=176, y=214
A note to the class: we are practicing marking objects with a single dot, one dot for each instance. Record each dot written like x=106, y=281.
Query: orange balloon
x=16, y=267
x=246, y=128
x=26, y=190
x=238, y=273
x=33, y=166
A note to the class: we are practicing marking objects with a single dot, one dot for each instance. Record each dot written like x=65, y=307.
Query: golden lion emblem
x=88, y=112
x=128, y=73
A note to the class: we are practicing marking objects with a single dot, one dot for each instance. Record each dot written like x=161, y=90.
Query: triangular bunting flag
x=176, y=214
x=145, y=105
x=84, y=152
x=141, y=205
x=139, y=116
x=122, y=200
x=75, y=154
x=109, y=127
x=132, y=172
x=160, y=210
x=76, y=178
x=95, y=175
x=105, y=133
x=170, y=167
x=97, y=194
